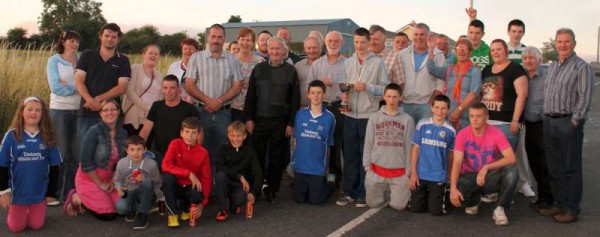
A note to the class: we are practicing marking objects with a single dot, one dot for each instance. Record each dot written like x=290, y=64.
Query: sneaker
x=173, y=221
x=526, y=190
x=193, y=216
x=489, y=198
x=361, y=202
x=130, y=217
x=185, y=216
x=141, y=222
x=344, y=199
x=499, y=216
x=221, y=215
x=473, y=210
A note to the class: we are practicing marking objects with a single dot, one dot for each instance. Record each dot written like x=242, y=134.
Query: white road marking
x=356, y=221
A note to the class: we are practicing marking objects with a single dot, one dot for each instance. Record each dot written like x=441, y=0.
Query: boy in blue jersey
x=432, y=151
x=313, y=133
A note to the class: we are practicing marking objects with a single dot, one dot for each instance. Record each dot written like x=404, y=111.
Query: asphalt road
x=290, y=219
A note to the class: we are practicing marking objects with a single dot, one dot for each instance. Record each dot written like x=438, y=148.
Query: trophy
x=346, y=87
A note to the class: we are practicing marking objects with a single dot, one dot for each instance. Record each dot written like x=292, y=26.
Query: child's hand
x=251, y=197
x=413, y=182
x=245, y=185
x=456, y=197
x=198, y=210
x=5, y=200
x=139, y=178
x=121, y=193
x=195, y=182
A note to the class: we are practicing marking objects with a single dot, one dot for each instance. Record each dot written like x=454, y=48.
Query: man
x=516, y=30
x=390, y=58
x=420, y=86
x=330, y=70
x=567, y=99
x=317, y=34
x=213, y=79
x=480, y=55
x=101, y=74
x=270, y=108
x=312, y=49
x=261, y=44
x=367, y=73
x=164, y=119
x=285, y=34
x=400, y=42
x=483, y=162
x=441, y=43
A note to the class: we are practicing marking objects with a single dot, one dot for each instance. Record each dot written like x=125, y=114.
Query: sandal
x=71, y=207
x=52, y=202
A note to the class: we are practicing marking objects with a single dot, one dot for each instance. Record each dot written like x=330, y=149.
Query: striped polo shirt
x=514, y=54
x=214, y=76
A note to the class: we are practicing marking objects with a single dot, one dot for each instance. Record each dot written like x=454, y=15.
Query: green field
x=23, y=74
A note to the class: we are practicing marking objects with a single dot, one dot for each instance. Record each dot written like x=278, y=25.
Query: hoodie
x=481, y=56
x=371, y=72
x=388, y=140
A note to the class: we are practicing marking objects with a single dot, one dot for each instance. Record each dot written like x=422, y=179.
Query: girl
x=29, y=152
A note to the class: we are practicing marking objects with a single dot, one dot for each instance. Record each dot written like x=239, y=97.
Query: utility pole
x=598, y=47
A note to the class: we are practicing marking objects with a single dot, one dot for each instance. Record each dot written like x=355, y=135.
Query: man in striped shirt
x=567, y=99
x=391, y=60
x=516, y=30
x=213, y=79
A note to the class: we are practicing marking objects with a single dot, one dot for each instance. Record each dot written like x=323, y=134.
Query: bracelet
x=8, y=190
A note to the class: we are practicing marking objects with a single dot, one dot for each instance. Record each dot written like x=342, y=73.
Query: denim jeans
x=512, y=138
x=141, y=199
x=417, y=111
x=65, y=127
x=174, y=192
x=215, y=132
x=504, y=181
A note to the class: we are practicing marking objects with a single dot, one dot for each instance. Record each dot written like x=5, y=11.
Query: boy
x=186, y=168
x=480, y=55
x=387, y=151
x=313, y=133
x=239, y=176
x=431, y=152
x=138, y=182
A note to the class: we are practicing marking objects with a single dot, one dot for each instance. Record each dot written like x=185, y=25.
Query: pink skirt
x=92, y=196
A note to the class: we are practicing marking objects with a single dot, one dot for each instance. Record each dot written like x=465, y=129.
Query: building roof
x=283, y=23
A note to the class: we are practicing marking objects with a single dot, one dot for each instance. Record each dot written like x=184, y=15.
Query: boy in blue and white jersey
x=432, y=151
x=313, y=133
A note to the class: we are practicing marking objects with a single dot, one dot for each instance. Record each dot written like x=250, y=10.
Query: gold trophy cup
x=346, y=87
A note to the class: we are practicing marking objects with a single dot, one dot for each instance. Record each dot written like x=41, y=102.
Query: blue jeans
x=417, y=111
x=512, y=138
x=215, y=131
x=504, y=181
x=353, y=147
x=65, y=126
x=141, y=198
x=83, y=125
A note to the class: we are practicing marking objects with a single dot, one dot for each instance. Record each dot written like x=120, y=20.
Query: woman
x=462, y=81
x=64, y=103
x=246, y=40
x=102, y=146
x=178, y=68
x=144, y=89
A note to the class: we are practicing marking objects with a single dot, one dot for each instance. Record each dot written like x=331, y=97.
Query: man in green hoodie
x=481, y=51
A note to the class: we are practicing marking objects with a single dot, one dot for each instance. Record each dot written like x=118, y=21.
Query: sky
x=542, y=17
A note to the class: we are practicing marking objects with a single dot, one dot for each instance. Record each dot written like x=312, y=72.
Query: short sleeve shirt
x=498, y=91
x=167, y=122
x=434, y=142
x=213, y=76
x=480, y=150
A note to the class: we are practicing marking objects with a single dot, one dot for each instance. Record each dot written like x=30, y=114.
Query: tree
x=17, y=37
x=169, y=44
x=201, y=40
x=36, y=41
x=549, y=51
x=83, y=16
x=137, y=38
x=234, y=19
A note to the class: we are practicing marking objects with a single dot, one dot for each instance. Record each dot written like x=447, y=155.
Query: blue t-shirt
x=434, y=142
x=314, y=135
x=29, y=162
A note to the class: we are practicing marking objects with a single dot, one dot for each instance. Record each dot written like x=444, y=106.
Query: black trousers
x=534, y=146
x=174, y=191
x=335, y=152
x=313, y=189
x=230, y=193
x=429, y=196
x=269, y=133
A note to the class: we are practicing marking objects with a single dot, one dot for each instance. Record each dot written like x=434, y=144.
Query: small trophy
x=346, y=87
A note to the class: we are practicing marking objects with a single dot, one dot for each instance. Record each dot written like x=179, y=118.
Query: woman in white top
x=246, y=40
x=64, y=103
x=178, y=68
x=143, y=90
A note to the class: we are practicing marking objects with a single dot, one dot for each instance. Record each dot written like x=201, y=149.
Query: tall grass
x=23, y=74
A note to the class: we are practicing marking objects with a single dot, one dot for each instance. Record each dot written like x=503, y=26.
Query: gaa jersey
x=29, y=163
x=434, y=141
x=314, y=136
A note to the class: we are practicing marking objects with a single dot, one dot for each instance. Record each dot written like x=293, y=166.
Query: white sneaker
x=488, y=198
x=472, y=210
x=499, y=216
x=526, y=190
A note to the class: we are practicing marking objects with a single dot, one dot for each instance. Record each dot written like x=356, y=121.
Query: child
x=239, y=176
x=431, y=153
x=186, y=168
x=313, y=132
x=138, y=182
x=29, y=161
x=387, y=152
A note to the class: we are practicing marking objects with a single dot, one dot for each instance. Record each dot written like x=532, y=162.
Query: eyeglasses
x=108, y=110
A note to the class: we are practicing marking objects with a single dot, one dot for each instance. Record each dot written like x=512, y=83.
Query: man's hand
x=514, y=127
x=106, y=187
x=472, y=13
x=360, y=86
x=5, y=200
x=481, y=175
x=456, y=197
x=455, y=116
x=245, y=185
x=250, y=126
x=289, y=131
x=327, y=81
x=413, y=181
x=93, y=105
x=212, y=105
x=431, y=38
x=344, y=97
x=195, y=182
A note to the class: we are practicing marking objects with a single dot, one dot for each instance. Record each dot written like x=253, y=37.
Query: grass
x=23, y=74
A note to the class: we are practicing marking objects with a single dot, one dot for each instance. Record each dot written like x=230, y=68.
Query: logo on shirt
x=115, y=66
x=320, y=128
x=428, y=131
x=20, y=146
x=304, y=124
x=442, y=134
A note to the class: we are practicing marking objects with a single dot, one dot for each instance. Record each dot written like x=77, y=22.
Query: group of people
x=409, y=126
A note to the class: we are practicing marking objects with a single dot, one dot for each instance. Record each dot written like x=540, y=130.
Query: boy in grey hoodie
x=387, y=150
x=367, y=72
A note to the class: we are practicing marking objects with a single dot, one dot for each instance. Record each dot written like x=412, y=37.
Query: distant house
x=299, y=29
